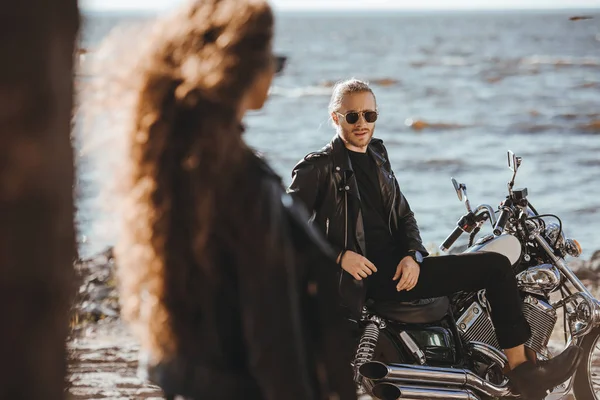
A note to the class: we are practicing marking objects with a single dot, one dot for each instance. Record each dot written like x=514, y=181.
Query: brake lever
x=486, y=210
x=473, y=234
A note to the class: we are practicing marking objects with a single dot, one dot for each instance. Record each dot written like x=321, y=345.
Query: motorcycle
x=446, y=348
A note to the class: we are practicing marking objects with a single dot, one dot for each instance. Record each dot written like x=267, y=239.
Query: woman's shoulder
x=260, y=163
x=295, y=214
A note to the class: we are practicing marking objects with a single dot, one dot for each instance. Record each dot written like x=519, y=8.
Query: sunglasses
x=279, y=62
x=353, y=116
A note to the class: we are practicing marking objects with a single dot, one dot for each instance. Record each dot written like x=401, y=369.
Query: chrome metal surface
x=594, y=360
x=561, y=265
x=365, y=387
x=475, y=325
x=490, y=212
x=541, y=317
x=366, y=348
x=572, y=248
x=583, y=313
x=506, y=244
x=468, y=318
x=463, y=187
x=458, y=189
x=492, y=354
x=406, y=374
x=412, y=347
x=532, y=225
x=540, y=279
x=390, y=391
x=514, y=163
x=555, y=234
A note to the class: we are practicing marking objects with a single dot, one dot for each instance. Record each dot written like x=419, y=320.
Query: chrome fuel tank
x=506, y=245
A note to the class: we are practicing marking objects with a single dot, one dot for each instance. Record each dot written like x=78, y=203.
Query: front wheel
x=587, y=378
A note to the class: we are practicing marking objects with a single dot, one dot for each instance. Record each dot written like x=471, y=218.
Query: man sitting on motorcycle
x=352, y=193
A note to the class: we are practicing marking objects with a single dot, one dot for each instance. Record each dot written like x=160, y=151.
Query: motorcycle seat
x=420, y=311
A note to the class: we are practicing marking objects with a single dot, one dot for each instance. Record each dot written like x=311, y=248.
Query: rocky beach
x=102, y=352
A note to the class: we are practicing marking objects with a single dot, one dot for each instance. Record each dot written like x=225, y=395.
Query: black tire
x=582, y=386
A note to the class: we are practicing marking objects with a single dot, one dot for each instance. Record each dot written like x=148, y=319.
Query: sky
x=152, y=5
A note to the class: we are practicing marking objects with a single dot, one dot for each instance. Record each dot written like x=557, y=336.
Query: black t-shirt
x=382, y=249
x=376, y=222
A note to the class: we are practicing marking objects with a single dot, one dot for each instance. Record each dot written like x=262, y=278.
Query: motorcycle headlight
x=542, y=278
x=553, y=232
x=570, y=246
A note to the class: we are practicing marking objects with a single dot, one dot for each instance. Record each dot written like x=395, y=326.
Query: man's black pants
x=445, y=275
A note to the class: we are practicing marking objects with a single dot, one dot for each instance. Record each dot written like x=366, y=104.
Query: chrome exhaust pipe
x=390, y=391
x=417, y=374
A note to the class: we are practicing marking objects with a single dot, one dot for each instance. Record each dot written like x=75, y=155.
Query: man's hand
x=356, y=265
x=409, y=270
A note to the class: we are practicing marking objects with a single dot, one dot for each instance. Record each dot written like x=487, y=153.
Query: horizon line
x=359, y=9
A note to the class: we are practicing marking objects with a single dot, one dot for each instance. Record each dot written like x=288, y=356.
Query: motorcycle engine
x=475, y=323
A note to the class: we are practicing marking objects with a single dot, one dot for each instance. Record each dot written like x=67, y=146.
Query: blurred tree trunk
x=37, y=242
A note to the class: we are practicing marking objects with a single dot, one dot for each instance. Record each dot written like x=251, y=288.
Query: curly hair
x=185, y=154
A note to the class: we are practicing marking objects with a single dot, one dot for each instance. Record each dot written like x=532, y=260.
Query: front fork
x=585, y=313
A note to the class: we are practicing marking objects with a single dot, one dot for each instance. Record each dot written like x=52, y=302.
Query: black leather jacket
x=272, y=327
x=324, y=182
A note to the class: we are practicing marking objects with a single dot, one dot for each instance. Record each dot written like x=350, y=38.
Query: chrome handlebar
x=482, y=208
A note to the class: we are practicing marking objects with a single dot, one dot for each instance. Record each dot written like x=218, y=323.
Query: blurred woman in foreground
x=232, y=295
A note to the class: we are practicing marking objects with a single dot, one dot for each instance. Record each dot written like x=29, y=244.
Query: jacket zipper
x=346, y=219
x=327, y=228
x=392, y=209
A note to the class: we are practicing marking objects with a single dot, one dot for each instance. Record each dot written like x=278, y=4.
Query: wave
x=376, y=81
x=588, y=85
x=592, y=116
x=295, y=92
x=509, y=64
x=419, y=125
x=589, y=163
x=587, y=211
x=496, y=70
x=445, y=165
x=324, y=88
x=443, y=162
x=448, y=61
x=561, y=61
x=535, y=128
x=592, y=126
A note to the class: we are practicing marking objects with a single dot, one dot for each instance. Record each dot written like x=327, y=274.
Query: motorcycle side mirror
x=514, y=162
x=461, y=192
x=458, y=189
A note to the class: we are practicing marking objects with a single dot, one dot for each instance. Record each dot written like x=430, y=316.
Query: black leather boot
x=533, y=381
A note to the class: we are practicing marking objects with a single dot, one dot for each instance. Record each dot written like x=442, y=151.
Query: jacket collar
x=343, y=167
x=373, y=151
x=341, y=161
